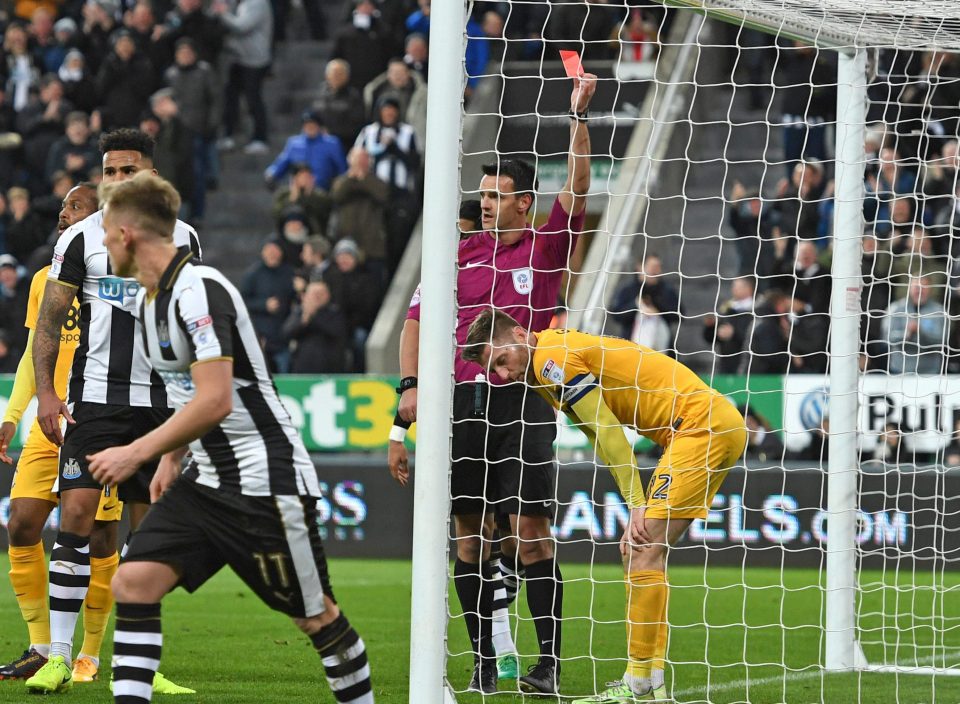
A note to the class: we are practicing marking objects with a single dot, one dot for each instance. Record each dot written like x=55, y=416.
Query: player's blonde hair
x=151, y=201
x=491, y=325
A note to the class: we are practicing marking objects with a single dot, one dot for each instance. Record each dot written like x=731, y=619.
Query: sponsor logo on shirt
x=163, y=333
x=522, y=281
x=199, y=323
x=113, y=288
x=71, y=469
x=176, y=378
x=552, y=372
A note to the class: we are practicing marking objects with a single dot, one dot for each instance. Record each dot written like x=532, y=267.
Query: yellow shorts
x=695, y=464
x=36, y=475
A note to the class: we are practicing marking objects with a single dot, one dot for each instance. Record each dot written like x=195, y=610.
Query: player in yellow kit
x=604, y=384
x=33, y=494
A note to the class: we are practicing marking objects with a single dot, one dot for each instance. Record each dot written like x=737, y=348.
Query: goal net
x=773, y=200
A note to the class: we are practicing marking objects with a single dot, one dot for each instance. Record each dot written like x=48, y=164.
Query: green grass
x=233, y=650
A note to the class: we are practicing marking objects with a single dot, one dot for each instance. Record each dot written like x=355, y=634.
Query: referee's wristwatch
x=407, y=382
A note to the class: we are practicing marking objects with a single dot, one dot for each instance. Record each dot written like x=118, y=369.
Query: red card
x=571, y=63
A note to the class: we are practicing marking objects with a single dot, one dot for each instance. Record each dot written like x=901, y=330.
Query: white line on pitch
x=791, y=677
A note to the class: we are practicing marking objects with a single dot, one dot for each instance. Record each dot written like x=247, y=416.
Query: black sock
x=545, y=600
x=137, y=642
x=477, y=604
x=344, y=658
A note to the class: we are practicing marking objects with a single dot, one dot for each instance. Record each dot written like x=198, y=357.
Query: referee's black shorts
x=271, y=542
x=503, y=462
x=99, y=426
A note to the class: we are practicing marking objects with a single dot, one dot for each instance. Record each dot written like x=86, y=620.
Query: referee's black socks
x=345, y=663
x=545, y=600
x=474, y=587
x=137, y=642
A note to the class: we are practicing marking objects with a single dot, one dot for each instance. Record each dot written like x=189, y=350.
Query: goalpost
x=901, y=616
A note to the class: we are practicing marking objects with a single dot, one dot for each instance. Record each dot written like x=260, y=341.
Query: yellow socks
x=646, y=618
x=660, y=653
x=28, y=575
x=98, y=604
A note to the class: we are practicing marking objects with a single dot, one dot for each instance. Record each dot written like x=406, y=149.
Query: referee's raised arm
x=573, y=197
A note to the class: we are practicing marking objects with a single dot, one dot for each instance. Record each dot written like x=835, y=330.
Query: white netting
x=709, y=235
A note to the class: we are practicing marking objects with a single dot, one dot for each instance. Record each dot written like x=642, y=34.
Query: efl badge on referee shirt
x=71, y=469
x=522, y=281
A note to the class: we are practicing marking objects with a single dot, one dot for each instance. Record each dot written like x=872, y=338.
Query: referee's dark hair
x=490, y=326
x=522, y=174
x=127, y=140
x=152, y=202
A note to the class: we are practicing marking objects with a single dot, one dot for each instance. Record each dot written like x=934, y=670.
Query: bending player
x=32, y=495
x=248, y=499
x=604, y=384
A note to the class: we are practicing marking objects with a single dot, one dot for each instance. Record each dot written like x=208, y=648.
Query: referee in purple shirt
x=503, y=434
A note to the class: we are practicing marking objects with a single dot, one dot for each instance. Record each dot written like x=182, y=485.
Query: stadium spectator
x=663, y=299
x=396, y=161
x=889, y=448
x=41, y=123
x=808, y=337
x=364, y=43
x=315, y=259
x=812, y=279
x=361, y=200
x=99, y=23
x=749, y=219
x=294, y=232
x=492, y=24
x=317, y=330
x=313, y=146
x=915, y=330
x=874, y=299
x=78, y=85
x=590, y=26
x=140, y=21
x=9, y=357
x=316, y=22
x=20, y=69
x=775, y=261
x=358, y=294
x=25, y=229
x=416, y=52
x=728, y=330
x=189, y=20
x=806, y=79
x=173, y=154
x=43, y=42
x=918, y=258
x=198, y=95
x=14, y=290
x=762, y=441
x=75, y=152
x=406, y=87
x=267, y=289
x=302, y=195
x=884, y=182
x=124, y=82
x=797, y=199
x=249, y=51
x=770, y=342
x=340, y=104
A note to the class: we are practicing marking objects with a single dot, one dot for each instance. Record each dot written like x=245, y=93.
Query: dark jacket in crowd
x=124, y=88
x=259, y=283
x=342, y=111
x=360, y=206
x=199, y=96
x=320, y=341
x=663, y=297
x=357, y=293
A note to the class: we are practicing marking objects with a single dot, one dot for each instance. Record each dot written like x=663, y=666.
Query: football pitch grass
x=225, y=643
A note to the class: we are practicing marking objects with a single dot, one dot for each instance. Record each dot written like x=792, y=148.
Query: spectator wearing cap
x=364, y=42
x=317, y=331
x=249, y=50
x=361, y=200
x=99, y=23
x=267, y=289
x=301, y=193
x=313, y=146
x=78, y=85
x=392, y=145
x=124, y=82
x=339, y=103
x=14, y=290
x=73, y=152
x=358, y=294
x=197, y=93
x=407, y=87
x=65, y=37
x=173, y=153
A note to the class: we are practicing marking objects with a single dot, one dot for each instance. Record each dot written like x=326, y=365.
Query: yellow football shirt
x=69, y=336
x=643, y=388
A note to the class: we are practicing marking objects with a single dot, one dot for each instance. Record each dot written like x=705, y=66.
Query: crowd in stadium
x=776, y=319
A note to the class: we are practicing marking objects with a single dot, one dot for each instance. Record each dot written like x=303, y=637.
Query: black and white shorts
x=271, y=542
x=100, y=426
x=503, y=461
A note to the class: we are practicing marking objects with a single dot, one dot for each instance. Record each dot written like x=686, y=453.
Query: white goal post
x=852, y=28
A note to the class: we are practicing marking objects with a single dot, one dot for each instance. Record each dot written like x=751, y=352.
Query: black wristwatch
x=578, y=116
x=407, y=382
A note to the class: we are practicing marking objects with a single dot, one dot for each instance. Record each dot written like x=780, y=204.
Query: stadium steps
x=238, y=214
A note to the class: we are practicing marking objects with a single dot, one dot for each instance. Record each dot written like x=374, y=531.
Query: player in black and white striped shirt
x=248, y=499
x=114, y=396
